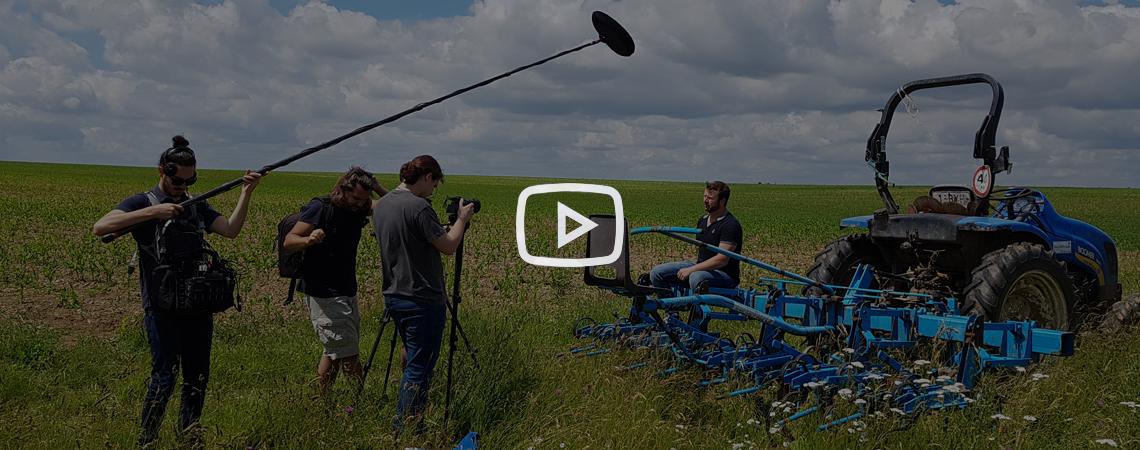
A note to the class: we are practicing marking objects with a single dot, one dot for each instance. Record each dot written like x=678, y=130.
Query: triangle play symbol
x=586, y=225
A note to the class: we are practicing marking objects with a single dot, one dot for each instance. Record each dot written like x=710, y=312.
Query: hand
x=683, y=274
x=164, y=211
x=466, y=210
x=377, y=187
x=250, y=179
x=316, y=237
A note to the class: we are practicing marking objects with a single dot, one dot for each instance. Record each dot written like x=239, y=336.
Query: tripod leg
x=452, y=338
x=372, y=354
x=388, y=369
x=456, y=326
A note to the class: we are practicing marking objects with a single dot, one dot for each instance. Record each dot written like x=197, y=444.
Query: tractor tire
x=836, y=263
x=1019, y=282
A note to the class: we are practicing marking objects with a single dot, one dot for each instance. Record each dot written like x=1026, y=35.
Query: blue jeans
x=420, y=324
x=176, y=340
x=665, y=276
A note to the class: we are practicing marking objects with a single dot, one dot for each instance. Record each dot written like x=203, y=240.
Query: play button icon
x=565, y=212
x=565, y=215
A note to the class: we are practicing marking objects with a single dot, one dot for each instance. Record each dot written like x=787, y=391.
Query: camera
x=453, y=204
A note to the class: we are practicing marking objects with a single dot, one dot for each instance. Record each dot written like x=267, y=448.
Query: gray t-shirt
x=405, y=227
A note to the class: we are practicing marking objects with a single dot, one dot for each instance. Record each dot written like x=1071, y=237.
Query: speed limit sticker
x=983, y=181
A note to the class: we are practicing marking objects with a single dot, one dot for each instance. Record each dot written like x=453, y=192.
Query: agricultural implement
x=971, y=278
x=855, y=338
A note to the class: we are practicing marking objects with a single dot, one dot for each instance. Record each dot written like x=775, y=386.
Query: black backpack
x=291, y=264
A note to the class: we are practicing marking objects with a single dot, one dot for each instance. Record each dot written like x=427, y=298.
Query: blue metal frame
x=872, y=323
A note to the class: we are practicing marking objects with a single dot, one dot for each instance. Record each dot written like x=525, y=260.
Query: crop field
x=74, y=359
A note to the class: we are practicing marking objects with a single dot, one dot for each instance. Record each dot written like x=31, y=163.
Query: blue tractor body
x=979, y=244
x=1081, y=246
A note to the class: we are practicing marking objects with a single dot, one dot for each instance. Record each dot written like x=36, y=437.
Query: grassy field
x=74, y=360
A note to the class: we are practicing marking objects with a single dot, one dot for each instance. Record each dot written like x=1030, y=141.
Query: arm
x=448, y=242
x=302, y=236
x=231, y=226
x=716, y=262
x=116, y=219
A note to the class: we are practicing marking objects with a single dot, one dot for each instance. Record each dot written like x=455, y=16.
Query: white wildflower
x=849, y=350
x=1108, y=442
x=1038, y=376
x=680, y=426
x=1020, y=369
x=921, y=362
x=773, y=430
x=897, y=411
x=859, y=401
x=1029, y=418
x=787, y=409
x=845, y=393
x=857, y=364
x=1000, y=416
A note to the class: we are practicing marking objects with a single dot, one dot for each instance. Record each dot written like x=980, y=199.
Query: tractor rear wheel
x=1022, y=281
x=836, y=263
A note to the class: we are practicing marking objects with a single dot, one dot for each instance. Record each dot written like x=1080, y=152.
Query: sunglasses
x=178, y=181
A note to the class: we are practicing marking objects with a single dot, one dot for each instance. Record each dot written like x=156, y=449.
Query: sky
x=742, y=91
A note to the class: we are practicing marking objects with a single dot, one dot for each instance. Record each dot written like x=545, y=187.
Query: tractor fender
x=993, y=224
x=857, y=222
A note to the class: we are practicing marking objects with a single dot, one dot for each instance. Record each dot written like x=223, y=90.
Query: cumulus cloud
x=744, y=90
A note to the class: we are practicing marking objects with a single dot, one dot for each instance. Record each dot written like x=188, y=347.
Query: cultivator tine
x=852, y=342
x=840, y=421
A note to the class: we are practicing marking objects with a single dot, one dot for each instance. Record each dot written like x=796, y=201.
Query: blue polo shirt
x=144, y=235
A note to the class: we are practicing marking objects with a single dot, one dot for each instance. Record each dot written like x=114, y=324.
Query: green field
x=74, y=359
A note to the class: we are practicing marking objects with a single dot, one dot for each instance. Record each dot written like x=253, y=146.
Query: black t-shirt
x=406, y=225
x=200, y=215
x=725, y=229
x=329, y=268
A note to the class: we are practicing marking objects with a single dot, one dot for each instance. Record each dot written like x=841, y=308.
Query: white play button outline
x=538, y=189
x=585, y=225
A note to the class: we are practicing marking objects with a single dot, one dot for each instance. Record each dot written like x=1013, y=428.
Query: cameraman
x=329, y=231
x=411, y=241
x=175, y=338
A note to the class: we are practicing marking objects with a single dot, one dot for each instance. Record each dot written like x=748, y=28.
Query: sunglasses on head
x=179, y=181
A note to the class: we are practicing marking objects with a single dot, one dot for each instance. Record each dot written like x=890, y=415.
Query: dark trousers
x=420, y=324
x=176, y=340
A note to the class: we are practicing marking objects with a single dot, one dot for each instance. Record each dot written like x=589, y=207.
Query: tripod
x=384, y=320
x=456, y=328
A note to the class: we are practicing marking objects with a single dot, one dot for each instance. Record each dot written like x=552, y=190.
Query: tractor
x=1006, y=254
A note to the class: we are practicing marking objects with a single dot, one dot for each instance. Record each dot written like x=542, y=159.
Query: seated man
x=719, y=227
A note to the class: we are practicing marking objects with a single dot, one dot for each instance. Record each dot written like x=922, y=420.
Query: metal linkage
x=853, y=335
